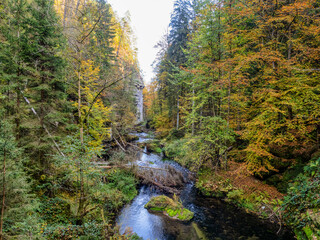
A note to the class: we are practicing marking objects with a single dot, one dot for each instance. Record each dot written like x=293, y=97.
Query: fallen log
x=165, y=188
x=106, y=166
x=144, y=178
x=119, y=145
x=152, y=168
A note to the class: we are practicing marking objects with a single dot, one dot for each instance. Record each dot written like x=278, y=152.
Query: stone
x=169, y=207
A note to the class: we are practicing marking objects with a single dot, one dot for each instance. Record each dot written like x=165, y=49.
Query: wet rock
x=169, y=207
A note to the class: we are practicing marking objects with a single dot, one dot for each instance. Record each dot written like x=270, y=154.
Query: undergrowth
x=105, y=197
x=260, y=203
x=302, y=204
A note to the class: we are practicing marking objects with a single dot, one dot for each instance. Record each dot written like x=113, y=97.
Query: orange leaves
x=298, y=7
x=255, y=64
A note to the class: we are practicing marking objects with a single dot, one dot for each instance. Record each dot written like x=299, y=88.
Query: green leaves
x=302, y=204
x=19, y=217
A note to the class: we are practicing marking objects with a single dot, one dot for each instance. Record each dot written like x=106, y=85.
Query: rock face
x=169, y=207
x=139, y=99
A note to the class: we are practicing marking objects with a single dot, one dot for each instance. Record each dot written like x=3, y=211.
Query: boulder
x=169, y=207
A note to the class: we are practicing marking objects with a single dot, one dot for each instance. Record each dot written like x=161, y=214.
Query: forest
x=68, y=71
x=237, y=89
x=235, y=100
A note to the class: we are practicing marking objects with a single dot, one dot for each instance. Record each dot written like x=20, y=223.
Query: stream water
x=213, y=219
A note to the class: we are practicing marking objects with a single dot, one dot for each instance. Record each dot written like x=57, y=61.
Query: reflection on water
x=136, y=217
x=213, y=218
x=152, y=226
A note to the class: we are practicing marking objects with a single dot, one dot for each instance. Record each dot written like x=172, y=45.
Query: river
x=213, y=219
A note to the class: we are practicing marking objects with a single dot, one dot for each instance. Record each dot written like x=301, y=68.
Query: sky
x=149, y=21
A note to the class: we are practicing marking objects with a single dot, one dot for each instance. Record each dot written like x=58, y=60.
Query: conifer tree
x=17, y=208
x=46, y=88
x=12, y=65
x=174, y=59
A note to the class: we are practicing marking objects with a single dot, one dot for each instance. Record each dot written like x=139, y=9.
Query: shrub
x=302, y=204
x=55, y=211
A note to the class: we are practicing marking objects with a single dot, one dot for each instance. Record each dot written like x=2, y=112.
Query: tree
x=173, y=58
x=17, y=206
x=252, y=64
x=46, y=86
x=12, y=66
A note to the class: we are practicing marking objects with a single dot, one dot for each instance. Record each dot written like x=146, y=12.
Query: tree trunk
x=77, y=7
x=218, y=162
x=193, y=113
x=18, y=119
x=18, y=115
x=230, y=67
x=65, y=13
x=82, y=197
x=3, y=193
x=178, y=113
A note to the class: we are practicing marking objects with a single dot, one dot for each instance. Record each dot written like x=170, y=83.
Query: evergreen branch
x=44, y=126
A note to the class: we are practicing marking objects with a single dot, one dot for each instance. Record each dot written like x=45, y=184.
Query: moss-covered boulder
x=169, y=207
x=154, y=146
x=131, y=138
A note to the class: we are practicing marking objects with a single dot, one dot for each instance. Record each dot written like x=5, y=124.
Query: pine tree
x=102, y=40
x=46, y=88
x=207, y=115
x=12, y=65
x=17, y=207
x=173, y=59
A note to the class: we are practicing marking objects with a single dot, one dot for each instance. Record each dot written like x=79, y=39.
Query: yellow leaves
x=97, y=120
x=259, y=159
x=59, y=7
x=92, y=107
x=163, y=123
x=89, y=73
x=123, y=42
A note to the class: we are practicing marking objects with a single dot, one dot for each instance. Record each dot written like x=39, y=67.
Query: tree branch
x=104, y=88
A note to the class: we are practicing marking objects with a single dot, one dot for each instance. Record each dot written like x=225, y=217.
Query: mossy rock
x=281, y=181
x=131, y=138
x=170, y=208
x=141, y=144
x=160, y=203
x=153, y=146
x=201, y=235
x=139, y=129
x=185, y=215
x=273, y=180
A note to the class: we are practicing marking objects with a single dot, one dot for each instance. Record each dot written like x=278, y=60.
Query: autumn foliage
x=252, y=64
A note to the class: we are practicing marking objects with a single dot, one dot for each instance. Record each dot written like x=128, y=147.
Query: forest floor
x=237, y=186
x=242, y=179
